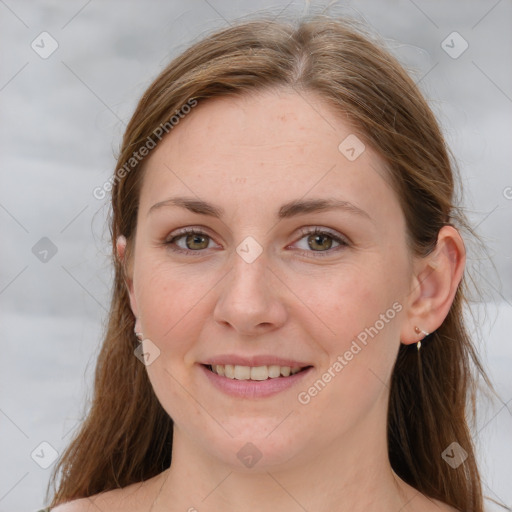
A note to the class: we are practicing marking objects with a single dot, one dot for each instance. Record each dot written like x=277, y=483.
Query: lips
x=246, y=388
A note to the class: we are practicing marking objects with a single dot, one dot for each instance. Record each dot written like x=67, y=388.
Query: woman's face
x=256, y=287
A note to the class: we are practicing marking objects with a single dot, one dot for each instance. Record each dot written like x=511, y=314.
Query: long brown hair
x=127, y=436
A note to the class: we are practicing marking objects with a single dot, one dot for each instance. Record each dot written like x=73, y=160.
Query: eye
x=193, y=239
x=321, y=241
x=318, y=241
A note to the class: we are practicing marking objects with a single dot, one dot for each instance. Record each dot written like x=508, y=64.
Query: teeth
x=274, y=371
x=254, y=372
x=242, y=372
x=229, y=371
x=258, y=372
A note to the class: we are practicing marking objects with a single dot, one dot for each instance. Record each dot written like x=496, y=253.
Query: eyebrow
x=286, y=211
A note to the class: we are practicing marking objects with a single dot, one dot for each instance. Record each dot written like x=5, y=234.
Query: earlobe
x=120, y=247
x=121, y=252
x=436, y=283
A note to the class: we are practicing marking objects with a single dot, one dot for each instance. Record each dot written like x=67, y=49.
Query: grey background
x=62, y=119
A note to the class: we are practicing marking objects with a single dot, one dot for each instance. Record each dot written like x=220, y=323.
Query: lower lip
x=253, y=388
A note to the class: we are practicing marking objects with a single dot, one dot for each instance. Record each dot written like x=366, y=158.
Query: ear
x=435, y=282
x=128, y=279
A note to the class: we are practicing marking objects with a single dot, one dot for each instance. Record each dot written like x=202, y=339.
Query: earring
x=425, y=334
x=138, y=335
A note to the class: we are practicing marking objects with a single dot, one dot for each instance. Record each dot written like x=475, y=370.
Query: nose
x=251, y=298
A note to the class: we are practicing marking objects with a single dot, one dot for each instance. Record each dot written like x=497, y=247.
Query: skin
x=249, y=155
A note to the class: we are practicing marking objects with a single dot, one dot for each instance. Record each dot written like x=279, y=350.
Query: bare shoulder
x=134, y=497
x=81, y=505
x=447, y=508
x=109, y=500
x=415, y=501
x=438, y=506
x=91, y=504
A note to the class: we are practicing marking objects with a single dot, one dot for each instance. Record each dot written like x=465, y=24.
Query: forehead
x=264, y=148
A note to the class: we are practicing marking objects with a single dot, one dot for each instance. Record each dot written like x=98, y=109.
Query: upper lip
x=260, y=360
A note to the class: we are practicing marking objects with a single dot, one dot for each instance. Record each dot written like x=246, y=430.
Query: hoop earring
x=425, y=334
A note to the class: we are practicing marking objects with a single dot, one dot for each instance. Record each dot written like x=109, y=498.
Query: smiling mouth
x=255, y=373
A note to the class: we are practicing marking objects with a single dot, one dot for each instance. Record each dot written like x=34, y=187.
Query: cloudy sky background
x=62, y=119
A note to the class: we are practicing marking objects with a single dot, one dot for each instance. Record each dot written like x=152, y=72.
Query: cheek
x=169, y=299
x=352, y=300
x=170, y=305
x=354, y=376
x=361, y=312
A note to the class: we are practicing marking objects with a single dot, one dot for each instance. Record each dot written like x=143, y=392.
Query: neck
x=353, y=475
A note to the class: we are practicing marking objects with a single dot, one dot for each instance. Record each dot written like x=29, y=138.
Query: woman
x=289, y=289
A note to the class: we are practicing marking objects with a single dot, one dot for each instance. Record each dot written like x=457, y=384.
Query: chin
x=257, y=445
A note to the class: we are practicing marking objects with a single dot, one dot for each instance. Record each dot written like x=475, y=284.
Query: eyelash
x=304, y=232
